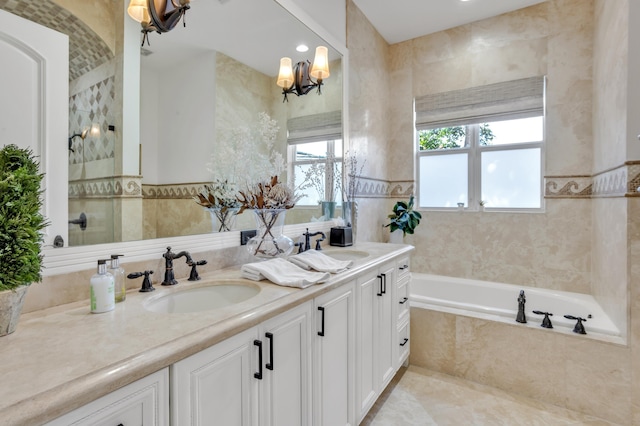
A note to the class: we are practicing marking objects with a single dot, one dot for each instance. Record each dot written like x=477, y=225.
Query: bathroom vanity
x=285, y=356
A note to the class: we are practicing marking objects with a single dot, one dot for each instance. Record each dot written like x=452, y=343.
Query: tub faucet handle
x=579, y=328
x=546, y=322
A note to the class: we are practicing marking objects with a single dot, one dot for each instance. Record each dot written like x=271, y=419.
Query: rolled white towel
x=284, y=273
x=313, y=259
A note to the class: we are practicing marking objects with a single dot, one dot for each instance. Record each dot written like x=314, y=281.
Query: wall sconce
x=298, y=79
x=160, y=16
x=93, y=131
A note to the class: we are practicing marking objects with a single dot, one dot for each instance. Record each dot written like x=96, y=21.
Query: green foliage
x=451, y=137
x=404, y=217
x=21, y=221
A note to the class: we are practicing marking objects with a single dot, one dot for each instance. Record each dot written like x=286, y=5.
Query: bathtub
x=498, y=302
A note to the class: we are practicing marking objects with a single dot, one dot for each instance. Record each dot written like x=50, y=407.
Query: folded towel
x=281, y=272
x=313, y=259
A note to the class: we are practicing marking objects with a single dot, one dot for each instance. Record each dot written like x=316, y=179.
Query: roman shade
x=316, y=127
x=493, y=102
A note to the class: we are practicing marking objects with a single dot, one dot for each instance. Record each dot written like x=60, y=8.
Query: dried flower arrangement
x=352, y=175
x=319, y=174
x=220, y=199
x=267, y=195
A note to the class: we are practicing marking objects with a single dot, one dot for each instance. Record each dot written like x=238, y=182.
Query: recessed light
x=302, y=48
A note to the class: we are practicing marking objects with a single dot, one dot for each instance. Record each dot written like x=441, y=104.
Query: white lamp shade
x=285, y=76
x=320, y=67
x=138, y=10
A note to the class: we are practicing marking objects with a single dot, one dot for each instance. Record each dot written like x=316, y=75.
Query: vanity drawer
x=402, y=343
x=403, y=266
x=403, y=299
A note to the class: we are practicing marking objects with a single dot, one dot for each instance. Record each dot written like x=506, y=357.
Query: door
x=369, y=290
x=219, y=385
x=334, y=371
x=34, y=82
x=285, y=397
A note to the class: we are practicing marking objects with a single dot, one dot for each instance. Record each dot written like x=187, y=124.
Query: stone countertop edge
x=48, y=403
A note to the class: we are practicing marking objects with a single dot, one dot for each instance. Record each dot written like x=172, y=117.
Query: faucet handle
x=579, y=327
x=146, y=283
x=300, y=246
x=194, y=276
x=319, y=240
x=546, y=322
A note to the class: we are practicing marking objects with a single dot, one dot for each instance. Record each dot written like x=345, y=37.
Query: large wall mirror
x=196, y=85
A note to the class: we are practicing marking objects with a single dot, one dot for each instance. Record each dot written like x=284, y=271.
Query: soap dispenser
x=118, y=276
x=102, y=289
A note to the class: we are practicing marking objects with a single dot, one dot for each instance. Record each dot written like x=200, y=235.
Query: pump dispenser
x=117, y=271
x=102, y=289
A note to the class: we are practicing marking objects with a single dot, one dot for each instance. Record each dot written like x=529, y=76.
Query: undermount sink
x=346, y=254
x=216, y=295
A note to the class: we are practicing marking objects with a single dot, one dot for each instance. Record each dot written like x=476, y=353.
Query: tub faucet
x=521, y=317
x=307, y=240
x=546, y=321
x=579, y=328
x=169, y=257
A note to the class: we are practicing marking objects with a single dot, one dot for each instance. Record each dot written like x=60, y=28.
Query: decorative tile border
x=172, y=191
x=567, y=187
x=621, y=181
x=379, y=188
x=108, y=187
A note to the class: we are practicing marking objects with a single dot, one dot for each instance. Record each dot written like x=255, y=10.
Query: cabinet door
x=334, y=358
x=218, y=386
x=144, y=402
x=285, y=393
x=369, y=289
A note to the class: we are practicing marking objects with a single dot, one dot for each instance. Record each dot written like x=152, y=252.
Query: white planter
x=11, y=302
x=396, y=237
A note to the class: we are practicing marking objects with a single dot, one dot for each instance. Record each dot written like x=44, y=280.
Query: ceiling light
x=298, y=79
x=302, y=48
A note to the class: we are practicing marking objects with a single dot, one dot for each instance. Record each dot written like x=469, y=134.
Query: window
x=325, y=157
x=315, y=143
x=482, y=144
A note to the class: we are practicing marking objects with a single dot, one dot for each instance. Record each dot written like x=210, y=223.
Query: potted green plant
x=404, y=218
x=21, y=225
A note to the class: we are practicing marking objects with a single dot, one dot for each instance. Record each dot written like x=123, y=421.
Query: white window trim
x=474, y=185
x=292, y=163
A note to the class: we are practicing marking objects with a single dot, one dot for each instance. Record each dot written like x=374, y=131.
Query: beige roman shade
x=315, y=127
x=493, y=102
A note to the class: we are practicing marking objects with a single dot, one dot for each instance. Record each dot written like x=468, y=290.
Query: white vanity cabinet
x=144, y=402
x=334, y=357
x=376, y=335
x=261, y=376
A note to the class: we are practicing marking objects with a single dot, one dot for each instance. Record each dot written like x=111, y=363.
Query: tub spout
x=521, y=317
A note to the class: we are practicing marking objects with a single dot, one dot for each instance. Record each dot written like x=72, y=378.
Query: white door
x=219, y=385
x=334, y=370
x=34, y=83
x=285, y=398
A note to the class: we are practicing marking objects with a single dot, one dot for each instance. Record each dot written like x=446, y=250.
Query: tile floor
x=421, y=397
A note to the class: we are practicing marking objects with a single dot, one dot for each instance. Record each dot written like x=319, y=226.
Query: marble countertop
x=64, y=357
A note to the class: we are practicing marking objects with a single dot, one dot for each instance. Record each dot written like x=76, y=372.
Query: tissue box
x=341, y=236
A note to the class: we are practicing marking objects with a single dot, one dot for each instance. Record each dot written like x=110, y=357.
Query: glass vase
x=350, y=216
x=269, y=241
x=328, y=209
x=223, y=219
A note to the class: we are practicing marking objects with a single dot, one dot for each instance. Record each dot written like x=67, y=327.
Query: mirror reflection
x=198, y=86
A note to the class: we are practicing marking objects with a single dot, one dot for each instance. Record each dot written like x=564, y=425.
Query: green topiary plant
x=21, y=220
x=404, y=217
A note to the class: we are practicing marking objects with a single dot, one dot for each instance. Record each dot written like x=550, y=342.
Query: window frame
x=331, y=148
x=474, y=151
